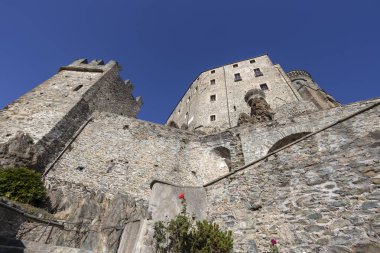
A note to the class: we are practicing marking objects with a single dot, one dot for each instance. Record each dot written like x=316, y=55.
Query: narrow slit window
x=78, y=87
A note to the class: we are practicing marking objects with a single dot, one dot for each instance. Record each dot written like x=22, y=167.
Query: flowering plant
x=274, y=247
x=181, y=235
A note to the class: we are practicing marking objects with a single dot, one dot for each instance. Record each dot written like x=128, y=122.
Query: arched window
x=286, y=140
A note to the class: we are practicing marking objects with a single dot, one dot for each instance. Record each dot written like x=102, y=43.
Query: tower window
x=78, y=87
x=213, y=98
x=213, y=71
x=212, y=81
x=264, y=87
x=212, y=118
x=237, y=77
x=252, y=61
x=234, y=108
x=258, y=72
x=235, y=65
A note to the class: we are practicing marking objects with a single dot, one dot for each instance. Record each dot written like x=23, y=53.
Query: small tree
x=180, y=235
x=23, y=185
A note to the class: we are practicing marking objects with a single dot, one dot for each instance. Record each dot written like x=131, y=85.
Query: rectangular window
x=213, y=71
x=237, y=77
x=212, y=118
x=235, y=65
x=264, y=87
x=252, y=61
x=212, y=81
x=258, y=72
x=213, y=98
x=196, y=89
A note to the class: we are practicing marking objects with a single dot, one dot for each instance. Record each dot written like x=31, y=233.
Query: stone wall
x=258, y=139
x=320, y=195
x=124, y=154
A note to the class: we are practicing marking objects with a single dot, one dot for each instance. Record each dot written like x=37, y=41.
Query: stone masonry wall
x=257, y=139
x=124, y=154
x=320, y=195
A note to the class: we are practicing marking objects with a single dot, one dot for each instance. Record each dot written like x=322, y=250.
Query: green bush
x=180, y=235
x=22, y=185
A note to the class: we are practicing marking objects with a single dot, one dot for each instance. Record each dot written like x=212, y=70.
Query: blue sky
x=163, y=45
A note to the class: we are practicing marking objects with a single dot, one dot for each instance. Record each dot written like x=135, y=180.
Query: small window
x=212, y=81
x=213, y=71
x=234, y=108
x=213, y=98
x=237, y=77
x=188, y=100
x=264, y=87
x=212, y=118
x=235, y=65
x=252, y=61
x=187, y=115
x=196, y=89
x=258, y=72
x=78, y=87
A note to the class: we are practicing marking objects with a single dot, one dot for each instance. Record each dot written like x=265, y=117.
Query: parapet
x=82, y=65
x=297, y=73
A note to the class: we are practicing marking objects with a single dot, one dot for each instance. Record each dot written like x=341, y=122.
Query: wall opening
x=286, y=140
x=225, y=154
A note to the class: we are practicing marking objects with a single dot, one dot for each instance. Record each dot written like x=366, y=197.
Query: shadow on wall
x=225, y=154
x=286, y=140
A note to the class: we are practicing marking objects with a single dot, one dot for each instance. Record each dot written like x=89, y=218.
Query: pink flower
x=273, y=242
x=181, y=196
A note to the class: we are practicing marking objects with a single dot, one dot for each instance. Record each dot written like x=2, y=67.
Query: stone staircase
x=11, y=245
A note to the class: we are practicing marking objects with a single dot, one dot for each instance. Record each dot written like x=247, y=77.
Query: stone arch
x=224, y=153
x=173, y=124
x=286, y=140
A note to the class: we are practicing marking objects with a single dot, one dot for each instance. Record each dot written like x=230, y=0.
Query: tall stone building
x=263, y=153
x=215, y=99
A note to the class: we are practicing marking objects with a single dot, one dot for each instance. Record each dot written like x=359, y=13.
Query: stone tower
x=310, y=91
x=215, y=99
x=36, y=126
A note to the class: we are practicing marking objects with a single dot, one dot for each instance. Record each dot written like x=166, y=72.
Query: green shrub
x=22, y=185
x=180, y=235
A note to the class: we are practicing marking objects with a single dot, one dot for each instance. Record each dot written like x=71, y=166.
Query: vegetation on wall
x=22, y=185
x=181, y=235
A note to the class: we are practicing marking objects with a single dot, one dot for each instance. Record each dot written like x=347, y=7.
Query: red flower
x=273, y=241
x=181, y=196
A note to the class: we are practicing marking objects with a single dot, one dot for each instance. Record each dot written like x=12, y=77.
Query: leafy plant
x=181, y=235
x=23, y=185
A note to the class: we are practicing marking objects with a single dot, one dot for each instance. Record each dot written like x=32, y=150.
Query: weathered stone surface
x=327, y=204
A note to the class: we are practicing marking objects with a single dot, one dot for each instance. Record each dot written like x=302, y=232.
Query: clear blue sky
x=163, y=45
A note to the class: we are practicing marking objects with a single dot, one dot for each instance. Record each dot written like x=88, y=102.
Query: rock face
x=93, y=220
x=260, y=109
x=18, y=151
